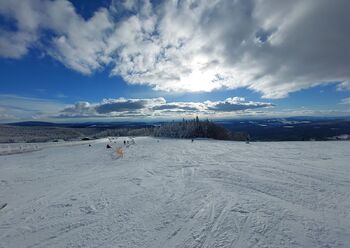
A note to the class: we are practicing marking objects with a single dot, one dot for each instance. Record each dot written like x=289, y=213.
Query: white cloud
x=345, y=101
x=235, y=104
x=16, y=108
x=122, y=107
x=19, y=108
x=271, y=47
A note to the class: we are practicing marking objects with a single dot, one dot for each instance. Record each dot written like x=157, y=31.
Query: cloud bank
x=272, y=47
x=157, y=107
x=13, y=107
x=345, y=100
x=19, y=108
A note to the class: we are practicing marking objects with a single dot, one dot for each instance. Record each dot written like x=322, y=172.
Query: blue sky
x=139, y=61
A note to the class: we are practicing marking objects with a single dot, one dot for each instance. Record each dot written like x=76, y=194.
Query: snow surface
x=174, y=193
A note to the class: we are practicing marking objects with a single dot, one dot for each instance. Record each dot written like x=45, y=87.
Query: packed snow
x=175, y=193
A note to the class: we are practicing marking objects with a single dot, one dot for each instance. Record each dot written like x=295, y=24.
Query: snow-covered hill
x=174, y=193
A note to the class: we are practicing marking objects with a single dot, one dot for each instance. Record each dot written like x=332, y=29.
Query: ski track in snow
x=174, y=193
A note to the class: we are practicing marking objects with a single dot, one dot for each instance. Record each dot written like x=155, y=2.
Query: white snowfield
x=174, y=193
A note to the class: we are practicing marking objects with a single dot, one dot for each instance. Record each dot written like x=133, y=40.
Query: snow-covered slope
x=174, y=193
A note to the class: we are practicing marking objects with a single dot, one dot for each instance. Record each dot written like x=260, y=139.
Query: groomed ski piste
x=175, y=193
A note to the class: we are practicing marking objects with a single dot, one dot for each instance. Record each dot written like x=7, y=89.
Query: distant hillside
x=33, y=124
x=291, y=129
x=97, y=124
x=273, y=129
x=14, y=134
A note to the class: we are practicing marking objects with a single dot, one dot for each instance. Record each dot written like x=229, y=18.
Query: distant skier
x=124, y=142
x=3, y=205
x=108, y=146
x=247, y=139
x=192, y=140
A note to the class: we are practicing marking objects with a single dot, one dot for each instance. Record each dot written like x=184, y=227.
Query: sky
x=83, y=60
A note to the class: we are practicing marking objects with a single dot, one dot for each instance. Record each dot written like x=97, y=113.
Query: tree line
x=195, y=128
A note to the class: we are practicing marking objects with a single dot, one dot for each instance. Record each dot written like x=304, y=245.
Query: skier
x=3, y=205
x=247, y=139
